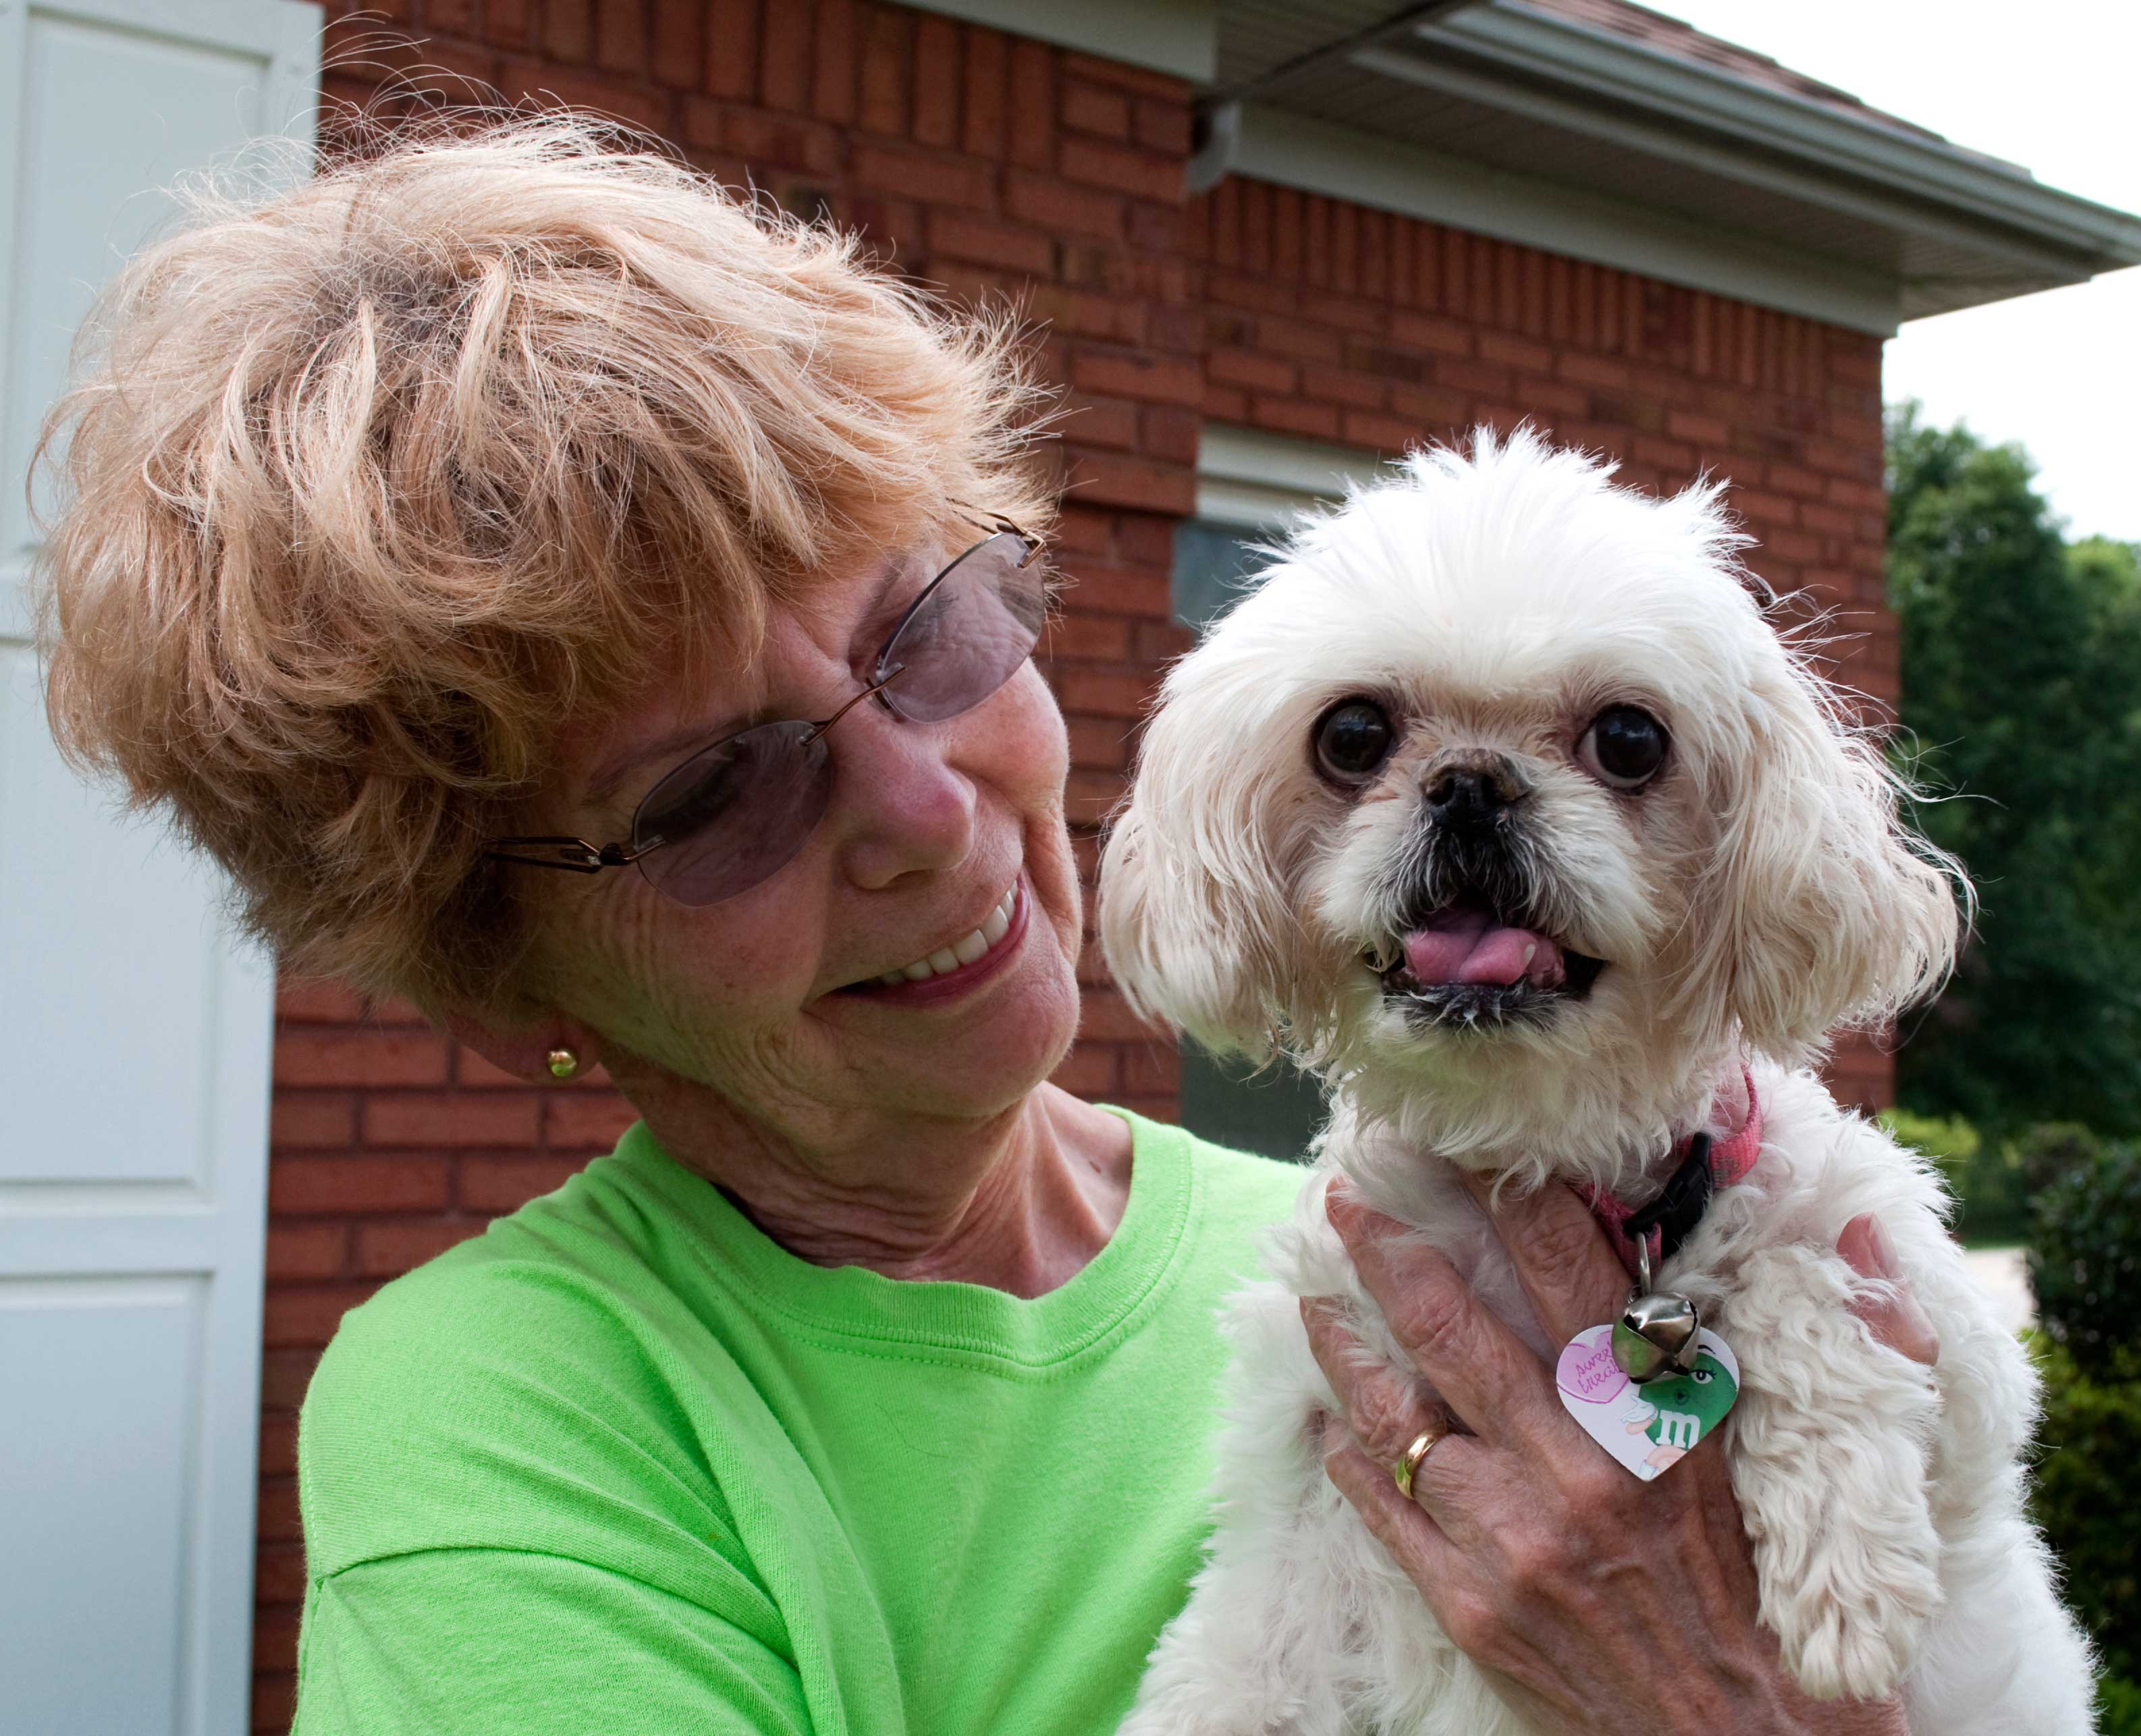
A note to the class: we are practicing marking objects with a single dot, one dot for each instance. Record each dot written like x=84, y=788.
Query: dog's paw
x=1850, y=1593
x=1828, y=1455
x=1839, y=1653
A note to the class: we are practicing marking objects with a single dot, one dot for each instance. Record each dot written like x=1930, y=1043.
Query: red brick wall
x=990, y=164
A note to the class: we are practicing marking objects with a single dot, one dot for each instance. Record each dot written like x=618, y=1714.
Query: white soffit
x=1318, y=157
x=1176, y=37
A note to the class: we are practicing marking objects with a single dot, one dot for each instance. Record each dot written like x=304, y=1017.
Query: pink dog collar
x=1706, y=1164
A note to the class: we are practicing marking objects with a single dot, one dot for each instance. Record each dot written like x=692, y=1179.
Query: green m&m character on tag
x=1682, y=1410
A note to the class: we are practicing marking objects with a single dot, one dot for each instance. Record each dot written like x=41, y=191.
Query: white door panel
x=124, y=1088
x=109, y=1538
x=137, y=1028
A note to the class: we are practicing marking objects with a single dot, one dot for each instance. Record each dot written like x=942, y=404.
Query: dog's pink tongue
x=1466, y=945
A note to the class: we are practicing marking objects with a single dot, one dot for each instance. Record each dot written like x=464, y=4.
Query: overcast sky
x=2050, y=85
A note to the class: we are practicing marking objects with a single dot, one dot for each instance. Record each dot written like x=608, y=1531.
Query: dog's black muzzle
x=1474, y=850
x=1471, y=848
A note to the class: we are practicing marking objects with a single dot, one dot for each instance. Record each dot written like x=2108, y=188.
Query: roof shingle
x=1669, y=35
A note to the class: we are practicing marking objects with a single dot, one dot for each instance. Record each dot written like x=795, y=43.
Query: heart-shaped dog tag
x=1649, y=1427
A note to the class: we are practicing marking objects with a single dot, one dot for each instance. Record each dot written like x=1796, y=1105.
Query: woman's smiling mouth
x=952, y=970
x=945, y=960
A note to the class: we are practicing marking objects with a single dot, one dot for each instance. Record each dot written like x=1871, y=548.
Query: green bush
x=2048, y=1150
x=1988, y=1180
x=2117, y=1707
x=2085, y=1268
x=2085, y=1248
x=2080, y=1494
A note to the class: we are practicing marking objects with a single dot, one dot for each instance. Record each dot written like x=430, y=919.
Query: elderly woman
x=601, y=612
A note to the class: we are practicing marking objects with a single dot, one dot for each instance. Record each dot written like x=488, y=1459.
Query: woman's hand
x=1594, y=1602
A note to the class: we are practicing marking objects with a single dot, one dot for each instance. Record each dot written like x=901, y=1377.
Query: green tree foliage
x=2022, y=680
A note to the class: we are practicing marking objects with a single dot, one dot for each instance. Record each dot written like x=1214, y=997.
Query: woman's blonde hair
x=366, y=486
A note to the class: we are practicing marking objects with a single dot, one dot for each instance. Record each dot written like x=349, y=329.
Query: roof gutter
x=1763, y=136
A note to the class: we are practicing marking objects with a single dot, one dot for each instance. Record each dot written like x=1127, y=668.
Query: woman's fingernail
x=1342, y=1197
x=1865, y=1248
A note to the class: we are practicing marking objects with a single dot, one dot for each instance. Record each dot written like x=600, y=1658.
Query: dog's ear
x=1829, y=912
x=1192, y=913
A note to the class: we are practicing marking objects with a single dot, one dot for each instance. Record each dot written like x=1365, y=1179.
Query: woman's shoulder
x=557, y=1280
x=480, y=1400
x=1238, y=1195
x=503, y=1301
x=1232, y=1176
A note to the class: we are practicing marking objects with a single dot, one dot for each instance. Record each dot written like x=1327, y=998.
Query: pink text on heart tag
x=1587, y=1370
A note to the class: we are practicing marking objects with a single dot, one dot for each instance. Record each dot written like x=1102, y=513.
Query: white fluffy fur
x=1758, y=894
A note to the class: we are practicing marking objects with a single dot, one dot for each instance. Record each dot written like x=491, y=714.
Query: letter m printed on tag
x=1679, y=1428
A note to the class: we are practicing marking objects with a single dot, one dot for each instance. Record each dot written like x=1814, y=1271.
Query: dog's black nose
x=1470, y=796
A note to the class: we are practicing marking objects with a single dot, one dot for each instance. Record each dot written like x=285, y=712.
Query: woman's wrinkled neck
x=1021, y=1202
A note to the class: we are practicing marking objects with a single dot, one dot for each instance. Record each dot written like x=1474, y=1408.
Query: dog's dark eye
x=1352, y=739
x=1624, y=745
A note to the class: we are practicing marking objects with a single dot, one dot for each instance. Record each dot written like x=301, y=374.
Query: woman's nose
x=900, y=808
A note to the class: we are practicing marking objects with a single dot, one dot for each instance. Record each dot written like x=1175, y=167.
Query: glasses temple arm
x=575, y=855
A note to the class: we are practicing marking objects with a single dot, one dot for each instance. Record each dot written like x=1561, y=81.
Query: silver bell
x=1656, y=1335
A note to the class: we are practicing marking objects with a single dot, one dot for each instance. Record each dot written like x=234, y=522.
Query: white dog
x=1500, y=806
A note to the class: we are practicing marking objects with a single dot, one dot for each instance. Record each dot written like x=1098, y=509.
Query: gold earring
x=564, y=1063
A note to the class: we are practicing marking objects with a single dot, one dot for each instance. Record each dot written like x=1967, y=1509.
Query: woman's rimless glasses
x=738, y=811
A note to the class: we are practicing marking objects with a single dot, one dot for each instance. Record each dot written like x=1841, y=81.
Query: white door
x=134, y=1030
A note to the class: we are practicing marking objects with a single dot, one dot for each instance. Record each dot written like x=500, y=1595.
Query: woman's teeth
x=965, y=952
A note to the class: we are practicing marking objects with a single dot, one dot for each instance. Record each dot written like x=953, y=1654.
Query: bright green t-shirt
x=622, y=1464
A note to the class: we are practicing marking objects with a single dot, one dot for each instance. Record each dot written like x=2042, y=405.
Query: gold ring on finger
x=1416, y=1455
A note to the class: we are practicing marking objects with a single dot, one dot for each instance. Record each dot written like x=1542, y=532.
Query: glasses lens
x=969, y=631
x=728, y=817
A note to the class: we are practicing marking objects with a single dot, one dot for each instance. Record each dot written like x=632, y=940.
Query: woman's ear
x=1832, y=913
x=1192, y=906
x=542, y=1050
